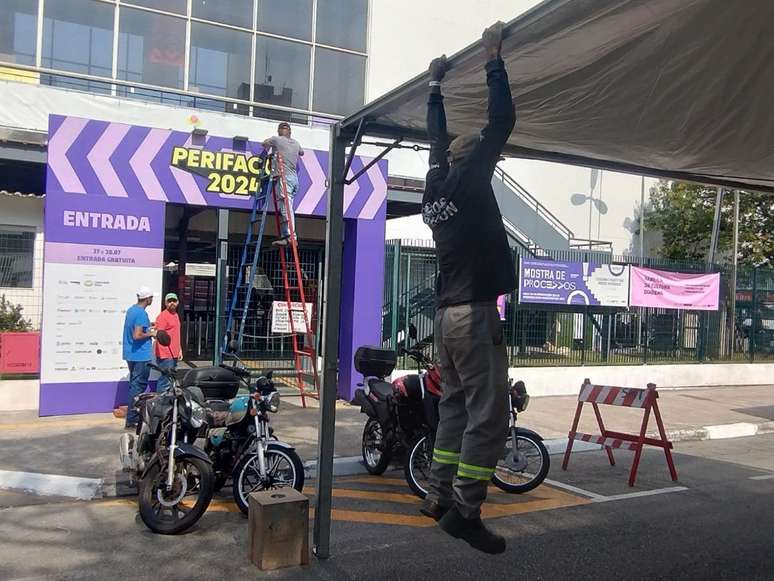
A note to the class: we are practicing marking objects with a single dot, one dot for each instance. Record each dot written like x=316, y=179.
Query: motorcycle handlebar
x=417, y=356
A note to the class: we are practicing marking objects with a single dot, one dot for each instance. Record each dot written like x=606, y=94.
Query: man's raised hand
x=492, y=39
x=438, y=68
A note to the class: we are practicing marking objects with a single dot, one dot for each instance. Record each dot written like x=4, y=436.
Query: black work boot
x=433, y=509
x=472, y=531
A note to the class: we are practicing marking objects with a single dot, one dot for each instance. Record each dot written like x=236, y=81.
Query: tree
x=11, y=319
x=683, y=213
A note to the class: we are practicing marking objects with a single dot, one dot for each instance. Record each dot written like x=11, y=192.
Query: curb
x=345, y=466
x=52, y=485
x=95, y=488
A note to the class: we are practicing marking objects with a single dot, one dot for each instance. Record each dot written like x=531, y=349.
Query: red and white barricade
x=645, y=399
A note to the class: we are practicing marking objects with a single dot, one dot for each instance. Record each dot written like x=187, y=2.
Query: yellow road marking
x=543, y=498
x=336, y=514
x=215, y=505
x=370, y=495
x=377, y=480
x=382, y=518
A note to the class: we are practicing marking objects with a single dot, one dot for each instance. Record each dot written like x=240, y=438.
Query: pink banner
x=674, y=290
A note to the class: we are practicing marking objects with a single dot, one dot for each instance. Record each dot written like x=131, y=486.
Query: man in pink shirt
x=167, y=357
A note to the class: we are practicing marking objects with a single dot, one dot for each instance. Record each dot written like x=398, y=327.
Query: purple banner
x=573, y=283
x=118, y=162
x=65, y=253
x=79, y=218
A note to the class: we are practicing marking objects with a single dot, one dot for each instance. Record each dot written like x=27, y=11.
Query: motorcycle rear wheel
x=284, y=469
x=376, y=452
x=172, y=520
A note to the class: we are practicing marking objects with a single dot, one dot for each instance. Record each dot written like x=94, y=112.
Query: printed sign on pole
x=573, y=283
x=674, y=290
x=280, y=322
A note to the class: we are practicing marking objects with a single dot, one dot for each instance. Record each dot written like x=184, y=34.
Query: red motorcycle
x=403, y=417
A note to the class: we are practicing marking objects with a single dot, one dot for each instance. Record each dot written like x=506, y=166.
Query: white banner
x=199, y=269
x=84, y=306
x=280, y=322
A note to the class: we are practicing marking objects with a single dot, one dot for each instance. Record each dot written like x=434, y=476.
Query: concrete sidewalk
x=86, y=446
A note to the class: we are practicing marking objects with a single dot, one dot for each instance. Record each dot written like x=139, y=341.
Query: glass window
x=288, y=18
x=151, y=48
x=17, y=250
x=234, y=12
x=179, y=6
x=18, y=30
x=220, y=61
x=339, y=81
x=282, y=72
x=342, y=23
x=78, y=37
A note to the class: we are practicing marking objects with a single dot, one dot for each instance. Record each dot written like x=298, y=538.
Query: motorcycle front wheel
x=283, y=469
x=525, y=468
x=376, y=451
x=170, y=512
x=416, y=466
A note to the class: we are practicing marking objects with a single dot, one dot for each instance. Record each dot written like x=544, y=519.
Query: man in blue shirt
x=138, y=352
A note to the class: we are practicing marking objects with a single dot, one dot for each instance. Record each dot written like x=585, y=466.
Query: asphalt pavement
x=715, y=522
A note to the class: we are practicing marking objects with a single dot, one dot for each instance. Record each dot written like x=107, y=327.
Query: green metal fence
x=542, y=335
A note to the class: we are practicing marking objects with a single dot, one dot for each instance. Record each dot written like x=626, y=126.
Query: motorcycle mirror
x=163, y=338
x=269, y=374
x=412, y=331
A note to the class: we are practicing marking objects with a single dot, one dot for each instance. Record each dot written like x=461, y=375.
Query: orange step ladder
x=294, y=281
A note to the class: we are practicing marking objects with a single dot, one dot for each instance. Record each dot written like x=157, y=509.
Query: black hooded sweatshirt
x=474, y=259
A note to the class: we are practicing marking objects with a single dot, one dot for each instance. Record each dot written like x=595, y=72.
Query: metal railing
x=90, y=84
x=542, y=335
x=533, y=203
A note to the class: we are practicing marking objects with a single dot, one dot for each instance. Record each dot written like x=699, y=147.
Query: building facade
x=96, y=92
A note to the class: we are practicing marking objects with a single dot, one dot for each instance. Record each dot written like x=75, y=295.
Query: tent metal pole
x=736, y=264
x=388, y=148
x=715, y=228
x=334, y=241
x=353, y=150
x=221, y=286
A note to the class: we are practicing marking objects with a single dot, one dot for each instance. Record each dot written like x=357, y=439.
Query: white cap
x=144, y=292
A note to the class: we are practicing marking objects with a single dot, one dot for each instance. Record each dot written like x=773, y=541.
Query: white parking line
x=762, y=477
x=588, y=494
x=642, y=493
x=51, y=484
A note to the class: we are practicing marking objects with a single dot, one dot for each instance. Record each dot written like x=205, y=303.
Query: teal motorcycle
x=240, y=441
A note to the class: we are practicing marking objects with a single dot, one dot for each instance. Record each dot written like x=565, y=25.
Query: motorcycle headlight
x=197, y=415
x=272, y=401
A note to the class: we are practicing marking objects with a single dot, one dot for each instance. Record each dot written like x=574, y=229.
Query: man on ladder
x=289, y=149
x=475, y=267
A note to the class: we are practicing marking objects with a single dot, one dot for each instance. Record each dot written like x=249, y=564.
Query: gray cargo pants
x=473, y=363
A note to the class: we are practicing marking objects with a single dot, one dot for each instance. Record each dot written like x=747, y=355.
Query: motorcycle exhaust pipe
x=126, y=452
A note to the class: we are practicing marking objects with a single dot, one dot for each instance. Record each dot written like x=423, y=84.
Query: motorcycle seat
x=146, y=396
x=381, y=389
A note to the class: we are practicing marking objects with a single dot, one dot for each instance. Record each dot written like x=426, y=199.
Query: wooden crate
x=278, y=529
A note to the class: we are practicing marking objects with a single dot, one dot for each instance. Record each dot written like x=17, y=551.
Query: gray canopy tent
x=679, y=89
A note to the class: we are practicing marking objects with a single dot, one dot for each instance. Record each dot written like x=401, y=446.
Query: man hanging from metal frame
x=475, y=267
